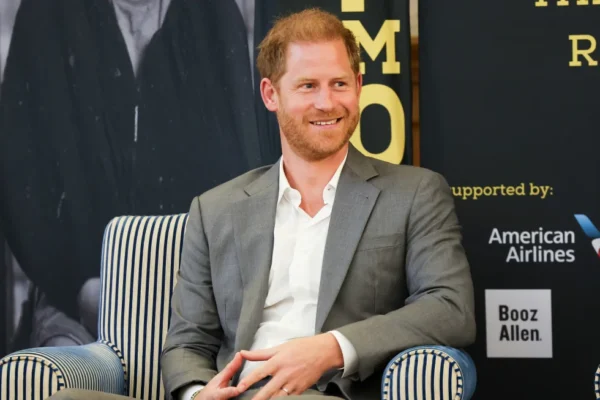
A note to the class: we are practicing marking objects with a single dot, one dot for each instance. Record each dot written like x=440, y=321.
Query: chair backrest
x=140, y=261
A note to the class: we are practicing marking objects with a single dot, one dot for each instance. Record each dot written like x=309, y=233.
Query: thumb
x=227, y=373
x=259, y=355
x=228, y=392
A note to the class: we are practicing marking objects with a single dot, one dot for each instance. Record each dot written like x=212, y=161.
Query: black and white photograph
x=114, y=108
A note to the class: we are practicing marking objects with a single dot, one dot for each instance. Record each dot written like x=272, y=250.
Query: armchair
x=139, y=264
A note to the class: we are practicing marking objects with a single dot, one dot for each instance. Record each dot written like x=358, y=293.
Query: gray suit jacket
x=394, y=272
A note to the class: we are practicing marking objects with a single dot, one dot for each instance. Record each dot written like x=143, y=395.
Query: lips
x=328, y=122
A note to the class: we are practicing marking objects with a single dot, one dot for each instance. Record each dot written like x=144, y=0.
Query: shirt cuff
x=186, y=392
x=349, y=354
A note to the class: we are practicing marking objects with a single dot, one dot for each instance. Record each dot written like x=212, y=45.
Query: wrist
x=334, y=355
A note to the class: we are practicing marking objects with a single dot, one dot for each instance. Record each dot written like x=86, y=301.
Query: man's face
x=317, y=99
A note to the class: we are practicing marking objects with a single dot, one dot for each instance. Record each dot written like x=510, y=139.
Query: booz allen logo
x=590, y=230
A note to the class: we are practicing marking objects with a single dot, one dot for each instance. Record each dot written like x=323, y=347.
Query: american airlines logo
x=590, y=230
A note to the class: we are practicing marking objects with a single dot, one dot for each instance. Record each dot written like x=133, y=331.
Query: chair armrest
x=428, y=373
x=35, y=374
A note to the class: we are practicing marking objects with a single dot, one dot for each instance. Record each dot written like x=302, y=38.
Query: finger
x=258, y=374
x=227, y=393
x=259, y=355
x=281, y=393
x=271, y=389
x=230, y=369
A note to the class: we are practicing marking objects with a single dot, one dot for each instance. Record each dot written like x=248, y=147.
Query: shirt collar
x=328, y=195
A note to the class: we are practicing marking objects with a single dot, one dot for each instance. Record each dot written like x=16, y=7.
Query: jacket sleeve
x=195, y=333
x=440, y=306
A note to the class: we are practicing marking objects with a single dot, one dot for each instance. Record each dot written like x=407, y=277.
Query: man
x=105, y=107
x=305, y=278
x=324, y=265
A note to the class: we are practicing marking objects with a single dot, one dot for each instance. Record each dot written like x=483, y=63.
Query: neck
x=311, y=177
x=138, y=11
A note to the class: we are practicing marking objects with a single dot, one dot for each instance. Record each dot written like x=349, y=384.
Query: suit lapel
x=354, y=201
x=254, y=222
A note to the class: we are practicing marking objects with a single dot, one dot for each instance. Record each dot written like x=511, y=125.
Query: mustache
x=324, y=116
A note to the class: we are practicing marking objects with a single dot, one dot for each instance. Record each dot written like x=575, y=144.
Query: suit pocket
x=369, y=242
x=379, y=260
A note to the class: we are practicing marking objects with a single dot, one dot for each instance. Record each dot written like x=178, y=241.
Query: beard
x=313, y=146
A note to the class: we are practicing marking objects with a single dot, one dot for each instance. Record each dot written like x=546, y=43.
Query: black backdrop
x=501, y=105
x=3, y=297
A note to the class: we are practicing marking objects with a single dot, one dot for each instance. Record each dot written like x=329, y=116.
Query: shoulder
x=405, y=177
x=232, y=190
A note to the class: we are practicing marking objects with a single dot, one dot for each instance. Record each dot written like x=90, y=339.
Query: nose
x=324, y=100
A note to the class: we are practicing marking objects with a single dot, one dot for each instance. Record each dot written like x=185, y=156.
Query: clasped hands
x=293, y=367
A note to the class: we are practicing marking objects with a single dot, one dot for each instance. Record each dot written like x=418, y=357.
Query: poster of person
x=133, y=107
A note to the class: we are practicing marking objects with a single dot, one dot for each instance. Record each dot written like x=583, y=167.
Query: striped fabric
x=429, y=373
x=40, y=372
x=597, y=383
x=140, y=261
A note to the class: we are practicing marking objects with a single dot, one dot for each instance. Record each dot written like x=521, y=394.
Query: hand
x=295, y=365
x=218, y=388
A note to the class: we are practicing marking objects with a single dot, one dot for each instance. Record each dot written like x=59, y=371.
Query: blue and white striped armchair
x=140, y=260
x=597, y=383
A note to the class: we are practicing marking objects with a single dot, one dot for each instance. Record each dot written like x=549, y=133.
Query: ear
x=359, y=83
x=268, y=92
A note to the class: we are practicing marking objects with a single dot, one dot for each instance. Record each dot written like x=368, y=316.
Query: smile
x=325, y=123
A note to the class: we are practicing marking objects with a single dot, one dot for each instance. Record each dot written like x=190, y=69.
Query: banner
x=113, y=108
x=3, y=298
x=8, y=11
x=509, y=116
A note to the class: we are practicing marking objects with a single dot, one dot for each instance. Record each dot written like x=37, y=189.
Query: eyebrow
x=303, y=79
x=306, y=79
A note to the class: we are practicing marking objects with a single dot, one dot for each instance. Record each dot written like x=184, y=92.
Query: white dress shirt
x=290, y=308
